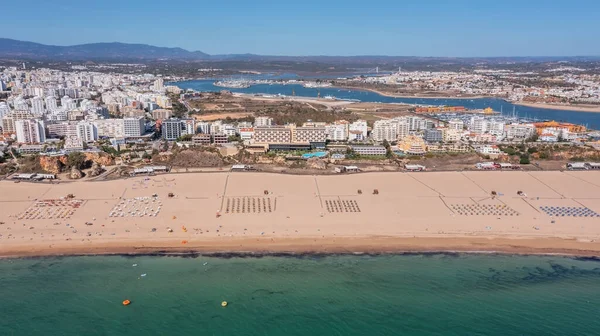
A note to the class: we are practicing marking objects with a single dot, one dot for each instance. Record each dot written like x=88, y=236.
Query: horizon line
x=314, y=55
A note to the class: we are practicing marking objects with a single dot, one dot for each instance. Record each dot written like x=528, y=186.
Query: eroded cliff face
x=53, y=164
x=103, y=159
x=58, y=164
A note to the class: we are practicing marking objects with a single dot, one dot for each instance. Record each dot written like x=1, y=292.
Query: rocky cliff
x=58, y=164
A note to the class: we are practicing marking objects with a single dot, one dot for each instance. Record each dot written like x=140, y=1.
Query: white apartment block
x=456, y=124
x=403, y=128
x=519, y=131
x=61, y=129
x=112, y=128
x=496, y=128
x=451, y=134
x=30, y=131
x=87, y=131
x=277, y=134
x=385, y=130
x=478, y=125
x=67, y=103
x=134, y=127
x=4, y=109
x=263, y=121
x=203, y=127
x=189, y=126
x=37, y=106
x=337, y=132
x=309, y=134
x=357, y=130
x=51, y=103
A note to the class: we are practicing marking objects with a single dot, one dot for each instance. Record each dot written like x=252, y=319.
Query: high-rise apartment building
x=30, y=131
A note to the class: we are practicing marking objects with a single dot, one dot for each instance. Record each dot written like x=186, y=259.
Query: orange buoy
x=184, y=241
x=126, y=303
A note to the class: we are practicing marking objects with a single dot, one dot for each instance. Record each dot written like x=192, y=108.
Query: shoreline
x=297, y=247
x=559, y=107
x=385, y=94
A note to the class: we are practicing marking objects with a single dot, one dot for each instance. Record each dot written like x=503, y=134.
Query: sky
x=448, y=28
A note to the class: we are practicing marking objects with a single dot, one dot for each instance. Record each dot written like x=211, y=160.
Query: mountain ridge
x=137, y=51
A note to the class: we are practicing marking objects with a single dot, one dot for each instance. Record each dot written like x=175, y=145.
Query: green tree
x=76, y=159
x=533, y=138
x=185, y=137
x=524, y=159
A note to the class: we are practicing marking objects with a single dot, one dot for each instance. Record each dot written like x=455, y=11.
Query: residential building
x=203, y=127
x=246, y=134
x=403, y=128
x=451, y=135
x=4, y=109
x=385, y=130
x=548, y=137
x=337, y=132
x=496, y=128
x=189, y=126
x=412, y=145
x=8, y=124
x=369, y=150
x=273, y=134
x=161, y=114
x=263, y=121
x=220, y=139
x=68, y=103
x=201, y=139
x=134, y=127
x=37, y=106
x=51, y=103
x=433, y=135
x=519, y=131
x=87, y=131
x=62, y=129
x=490, y=150
x=478, y=125
x=159, y=85
x=309, y=134
x=456, y=124
x=357, y=130
x=172, y=129
x=30, y=131
x=112, y=128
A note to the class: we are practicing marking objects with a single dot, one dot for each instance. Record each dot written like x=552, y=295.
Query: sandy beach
x=268, y=213
x=386, y=94
x=561, y=107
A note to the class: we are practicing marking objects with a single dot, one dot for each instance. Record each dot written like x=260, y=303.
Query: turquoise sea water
x=334, y=295
x=592, y=120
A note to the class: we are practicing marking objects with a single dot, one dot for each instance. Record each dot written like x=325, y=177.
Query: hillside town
x=560, y=84
x=50, y=112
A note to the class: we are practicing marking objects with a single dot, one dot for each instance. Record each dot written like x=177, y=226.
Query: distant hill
x=93, y=51
x=115, y=51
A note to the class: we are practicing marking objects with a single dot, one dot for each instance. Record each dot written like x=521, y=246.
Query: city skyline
x=437, y=29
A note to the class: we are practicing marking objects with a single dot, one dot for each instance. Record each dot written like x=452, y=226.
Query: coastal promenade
x=516, y=212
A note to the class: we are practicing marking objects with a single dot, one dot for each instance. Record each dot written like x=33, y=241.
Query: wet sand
x=274, y=213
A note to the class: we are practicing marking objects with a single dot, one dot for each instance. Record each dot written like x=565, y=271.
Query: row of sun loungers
x=248, y=205
x=342, y=206
x=560, y=211
x=483, y=210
